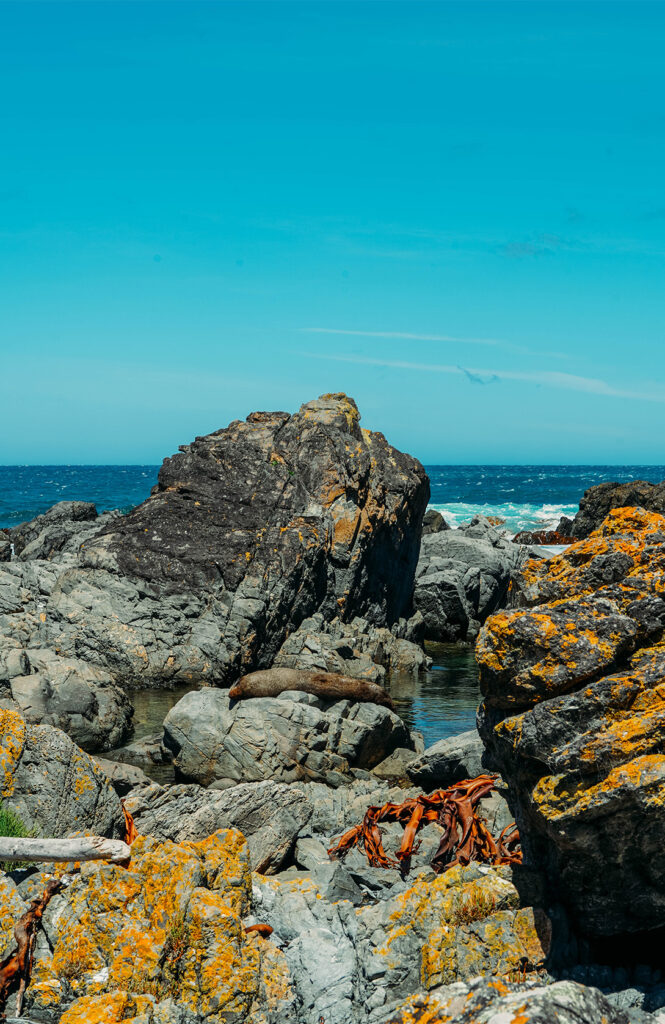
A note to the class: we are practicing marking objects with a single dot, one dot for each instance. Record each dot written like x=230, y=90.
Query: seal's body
x=327, y=685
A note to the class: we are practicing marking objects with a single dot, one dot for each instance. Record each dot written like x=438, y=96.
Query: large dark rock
x=574, y=718
x=55, y=530
x=251, y=529
x=462, y=577
x=598, y=501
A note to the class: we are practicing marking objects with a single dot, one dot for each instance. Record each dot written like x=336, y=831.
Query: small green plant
x=473, y=906
x=12, y=826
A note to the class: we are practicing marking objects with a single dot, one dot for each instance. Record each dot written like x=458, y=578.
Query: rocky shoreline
x=301, y=542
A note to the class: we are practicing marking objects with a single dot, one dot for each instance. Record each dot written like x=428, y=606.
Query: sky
x=454, y=212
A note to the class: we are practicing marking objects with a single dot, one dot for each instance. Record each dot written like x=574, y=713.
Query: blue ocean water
x=524, y=496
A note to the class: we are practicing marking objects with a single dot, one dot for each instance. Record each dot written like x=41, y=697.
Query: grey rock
x=52, y=785
x=270, y=815
x=395, y=766
x=123, y=777
x=54, y=531
x=277, y=738
x=336, y=883
x=433, y=522
x=76, y=697
x=462, y=577
x=309, y=852
x=5, y=547
x=447, y=761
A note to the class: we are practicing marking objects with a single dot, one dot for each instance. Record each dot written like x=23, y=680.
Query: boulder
x=250, y=530
x=53, y=786
x=59, y=529
x=572, y=717
x=462, y=577
x=67, y=693
x=288, y=738
x=433, y=522
x=356, y=649
x=447, y=761
x=599, y=501
x=123, y=777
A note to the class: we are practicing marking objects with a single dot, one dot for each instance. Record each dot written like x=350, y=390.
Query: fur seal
x=327, y=685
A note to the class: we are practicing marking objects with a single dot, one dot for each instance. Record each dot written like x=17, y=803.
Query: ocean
x=526, y=497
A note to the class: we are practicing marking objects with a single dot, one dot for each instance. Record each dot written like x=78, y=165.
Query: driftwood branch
x=80, y=848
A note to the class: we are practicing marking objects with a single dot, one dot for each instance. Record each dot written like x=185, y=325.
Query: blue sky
x=455, y=212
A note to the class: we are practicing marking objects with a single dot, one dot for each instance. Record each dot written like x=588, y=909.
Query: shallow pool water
x=443, y=701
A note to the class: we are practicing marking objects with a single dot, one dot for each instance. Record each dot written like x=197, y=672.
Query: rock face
x=598, y=501
x=53, y=786
x=251, y=529
x=573, y=716
x=462, y=577
x=294, y=737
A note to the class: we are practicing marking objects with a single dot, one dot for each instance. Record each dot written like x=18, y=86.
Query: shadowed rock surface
x=574, y=718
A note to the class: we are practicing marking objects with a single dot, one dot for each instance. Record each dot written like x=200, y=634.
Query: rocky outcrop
x=355, y=648
x=250, y=530
x=447, y=761
x=599, y=501
x=294, y=737
x=60, y=530
x=462, y=577
x=53, y=786
x=573, y=718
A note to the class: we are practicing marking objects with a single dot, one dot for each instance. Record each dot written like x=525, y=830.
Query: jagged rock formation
x=250, y=530
x=574, y=718
x=598, y=501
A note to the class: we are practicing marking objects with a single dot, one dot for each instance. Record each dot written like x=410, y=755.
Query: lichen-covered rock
x=573, y=716
x=600, y=500
x=52, y=785
x=462, y=577
x=250, y=530
x=289, y=738
x=486, y=1001
x=352, y=964
x=163, y=936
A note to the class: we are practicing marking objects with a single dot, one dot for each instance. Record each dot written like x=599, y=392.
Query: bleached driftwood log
x=79, y=848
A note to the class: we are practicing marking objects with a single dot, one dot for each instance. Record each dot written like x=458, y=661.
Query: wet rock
x=449, y=760
x=573, y=718
x=251, y=530
x=462, y=577
x=488, y=1002
x=288, y=738
x=52, y=785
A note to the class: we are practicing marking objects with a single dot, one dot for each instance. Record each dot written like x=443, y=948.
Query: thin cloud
x=446, y=338
x=550, y=378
